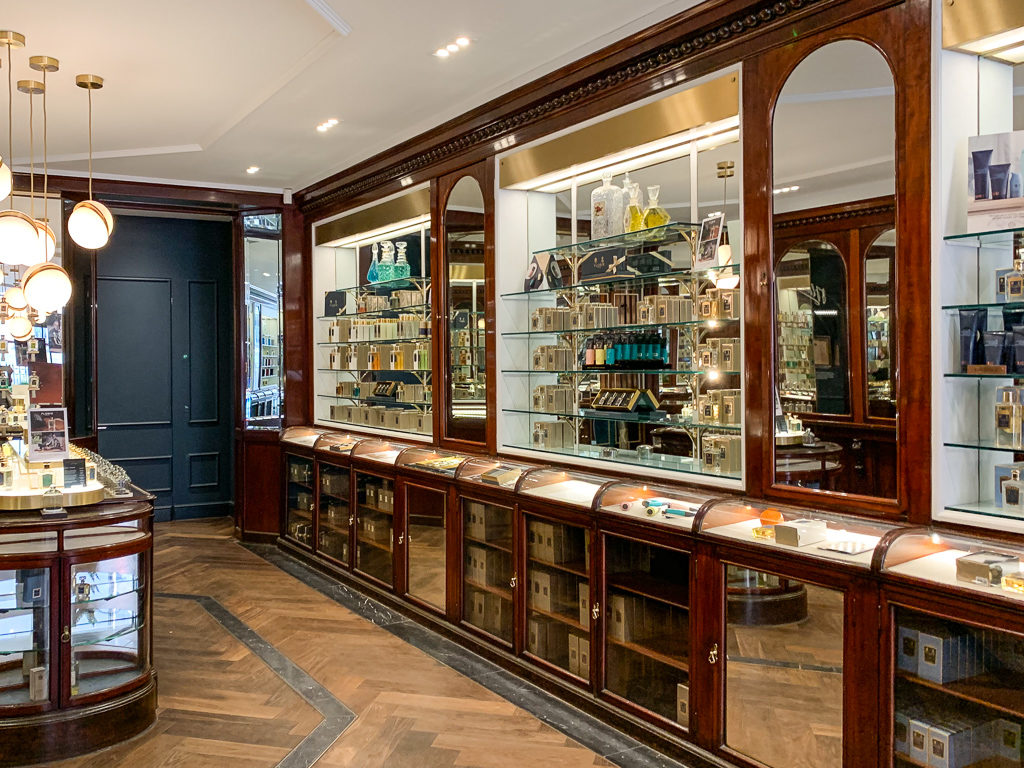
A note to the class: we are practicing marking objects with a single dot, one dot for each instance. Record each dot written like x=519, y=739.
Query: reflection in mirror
x=263, y=331
x=464, y=257
x=834, y=166
x=813, y=359
x=879, y=287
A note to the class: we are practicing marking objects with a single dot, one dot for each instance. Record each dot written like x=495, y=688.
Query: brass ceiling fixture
x=90, y=223
x=47, y=238
x=726, y=279
x=990, y=28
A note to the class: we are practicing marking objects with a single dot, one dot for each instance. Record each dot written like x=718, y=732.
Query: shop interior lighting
x=447, y=50
x=384, y=233
x=326, y=125
x=252, y=169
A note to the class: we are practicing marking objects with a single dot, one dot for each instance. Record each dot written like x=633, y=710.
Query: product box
x=584, y=658
x=949, y=746
x=37, y=684
x=574, y=654
x=683, y=704
x=901, y=734
x=584, y=603
x=1003, y=739
x=537, y=636
x=942, y=654
x=800, y=533
x=1003, y=473
x=986, y=568
x=622, y=618
x=475, y=557
x=907, y=653
x=497, y=615
x=539, y=585
x=918, y=740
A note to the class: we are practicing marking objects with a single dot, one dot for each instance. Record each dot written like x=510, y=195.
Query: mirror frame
x=441, y=189
x=765, y=75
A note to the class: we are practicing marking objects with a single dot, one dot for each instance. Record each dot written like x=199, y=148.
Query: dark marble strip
x=337, y=716
x=599, y=737
x=786, y=664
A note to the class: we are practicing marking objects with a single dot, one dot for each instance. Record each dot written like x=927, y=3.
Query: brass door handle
x=65, y=636
x=401, y=538
x=596, y=610
x=713, y=655
x=351, y=519
x=512, y=581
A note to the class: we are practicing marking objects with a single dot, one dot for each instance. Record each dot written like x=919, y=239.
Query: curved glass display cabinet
x=378, y=451
x=675, y=507
x=337, y=443
x=560, y=486
x=435, y=461
x=496, y=473
x=304, y=437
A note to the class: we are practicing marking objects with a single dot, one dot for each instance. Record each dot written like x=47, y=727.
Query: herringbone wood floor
x=221, y=706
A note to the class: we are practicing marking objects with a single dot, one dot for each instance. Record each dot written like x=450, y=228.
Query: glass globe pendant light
x=47, y=238
x=90, y=223
x=47, y=287
x=18, y=233
x=19, y=327
x=15, y=298
x=726, y=279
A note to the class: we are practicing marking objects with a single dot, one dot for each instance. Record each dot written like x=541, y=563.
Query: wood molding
x=877, y=207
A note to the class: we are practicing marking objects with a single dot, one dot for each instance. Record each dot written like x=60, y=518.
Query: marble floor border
x=611, y=744
x=336, y=716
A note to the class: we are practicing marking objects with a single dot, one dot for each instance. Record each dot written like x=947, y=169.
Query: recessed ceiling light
x=452, y=47
x=326, y=125
x=782, y=190
x=266, y=274
x=252, y=169
x=462, y=42
x=442, y=53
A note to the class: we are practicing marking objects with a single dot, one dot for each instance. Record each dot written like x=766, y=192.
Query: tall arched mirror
x=464, y=253
x=834, y=181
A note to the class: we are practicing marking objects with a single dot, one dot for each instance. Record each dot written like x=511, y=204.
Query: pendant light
x=90, y=223
x=726, y=279
x=15, y=298
x=47, y=287
x=18, y=234
x=47, y=238
x=37, y=253
x=19, y=327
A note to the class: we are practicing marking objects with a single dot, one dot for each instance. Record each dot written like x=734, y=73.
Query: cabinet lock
x=512, y=581
x=351, y=519
x=596, y=610
x=713, y=655
x=65, y=636
x=401, y=538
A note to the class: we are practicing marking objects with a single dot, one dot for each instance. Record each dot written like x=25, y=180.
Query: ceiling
x=198, y=91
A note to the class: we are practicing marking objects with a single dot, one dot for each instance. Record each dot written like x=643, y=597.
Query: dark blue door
x=164, y=360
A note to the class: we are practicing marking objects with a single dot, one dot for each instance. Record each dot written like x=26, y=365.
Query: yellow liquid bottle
x=655, y=216
x=635, y=210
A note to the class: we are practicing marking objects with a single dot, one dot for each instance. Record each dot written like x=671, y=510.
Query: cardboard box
x=497, y=615
x=621, y=617
x=919, y=731
x=584, y=658
x=537, y=636
x=683, y=704
x=901, y=734
x=940, y=652
x=475, y=559
x=800, y=533
x=574, y=654
x=539, y=584
x=907, y=653
x=584, y=603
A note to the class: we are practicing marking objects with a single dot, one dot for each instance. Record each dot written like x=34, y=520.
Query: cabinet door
x=334, y=513
x=558, y=611
x=375, y=527
x=26, y=647
x=488, y=572
x=426, y=532
x=299, y=500
x=106, y=624
x=647, y=627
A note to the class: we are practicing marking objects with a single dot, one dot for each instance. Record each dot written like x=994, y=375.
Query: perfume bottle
x=1008, y=417
x=1013, y=492
x=655, y=215
x=402, y=268
x=1015, y=282
x=605, y=210
x=372, y=275
x=386, y=268
x=635, y=209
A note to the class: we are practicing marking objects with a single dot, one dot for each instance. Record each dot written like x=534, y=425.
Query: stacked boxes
x=483, y=526
x=553, y=435
x=955, y=738
x=554, y=543
x=579, y=655
x=557, y=357
x=721, y=453
x=554, y=398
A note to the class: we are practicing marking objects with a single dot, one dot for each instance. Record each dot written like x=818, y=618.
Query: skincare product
x=973, y=322
x=999, y=179
x=982, y=158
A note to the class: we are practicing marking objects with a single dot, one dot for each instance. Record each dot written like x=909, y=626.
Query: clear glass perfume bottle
x=386, y=268
x=402, y=268
x=1013, y=492
x=1008, y=417
x=372, y=274
x=605, y=210
x=655, y=215
x=635, y=209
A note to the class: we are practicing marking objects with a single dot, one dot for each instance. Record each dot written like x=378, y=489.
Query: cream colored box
x=574, y=654
x=539, y=585
x=584, y=658
x=584, y=603
x=683, y=704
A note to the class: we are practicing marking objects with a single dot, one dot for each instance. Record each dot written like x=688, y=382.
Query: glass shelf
x=372, y=401
x=984, y=375
x=708, y=323
x=626, y=371
x=389, y=285
x=118, y=628
x=638, y=279
x=986, y=508
x=629, y=417
x=1011, y=305
x=373, y=370
x=350, y=342
x=675, y=230
x=687, y=464
x=993, y=237
x=982, y=445
x=376, y=312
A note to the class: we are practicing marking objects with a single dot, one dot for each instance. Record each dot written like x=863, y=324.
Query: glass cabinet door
x=784, y=673
x=558, y=610
x=375, y=514
x=425, y=538
x=334, y=514
x=647, y=627
x=299, y=525
x=108, y=604
x=487, y=574
x=24, y=636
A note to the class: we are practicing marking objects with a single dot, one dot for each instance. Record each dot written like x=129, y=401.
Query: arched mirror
x=465, y=298
x=834, y=180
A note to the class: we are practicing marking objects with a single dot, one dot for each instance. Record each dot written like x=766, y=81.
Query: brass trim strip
x=35, y=500
x=408, y=206
x=965, y=21
x=709, y=102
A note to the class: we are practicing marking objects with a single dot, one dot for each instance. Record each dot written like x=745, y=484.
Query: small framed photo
x=707, y=243
x=48, y=434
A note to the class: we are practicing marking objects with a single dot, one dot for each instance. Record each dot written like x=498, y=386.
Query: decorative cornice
x=837, y=215
x=727, y=32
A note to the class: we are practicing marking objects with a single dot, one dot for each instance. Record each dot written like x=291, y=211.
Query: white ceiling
x=197, y=91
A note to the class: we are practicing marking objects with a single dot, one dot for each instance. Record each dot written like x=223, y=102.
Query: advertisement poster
x=48, y=434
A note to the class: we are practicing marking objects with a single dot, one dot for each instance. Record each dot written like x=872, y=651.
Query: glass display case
x=647, y=626
x=574, y=489
x=496, y=473
x=299, y=499
x=558, y=611
x=811, y=533
x=109, y=611
x=333, y=520
x=434, y=461
x=304, y=437
x=372, y=334
x=25, y=645
x=337, y=443
x=675, y=507
x=263, y=330
x=426, y=543
x=983, y=374
x=375, y=523
x=488, y=571
x=378, y=451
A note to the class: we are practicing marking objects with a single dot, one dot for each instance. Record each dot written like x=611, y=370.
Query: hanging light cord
x=10, y=117
x=89, y=91
x=46, y=169
x=31, y=155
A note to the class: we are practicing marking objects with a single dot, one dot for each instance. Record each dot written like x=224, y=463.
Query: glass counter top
x=380, y=451
x=337, y=442
x=674, y=507
x=498, y=473
x=433, y=460
x=574, y=489
x=304, y=436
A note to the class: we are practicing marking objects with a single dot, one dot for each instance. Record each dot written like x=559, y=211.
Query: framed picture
x=707, y=243
x=48, y=434
x=823, y=350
